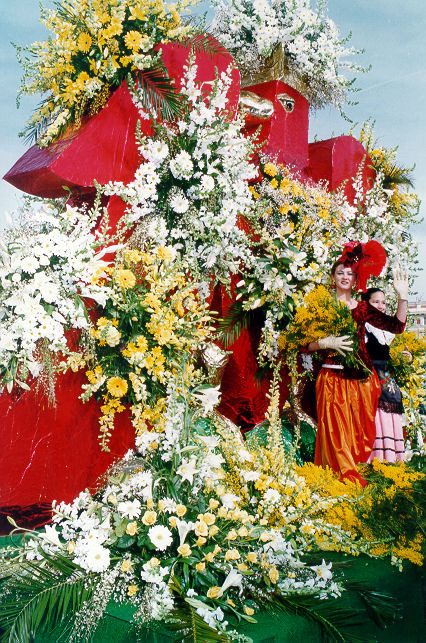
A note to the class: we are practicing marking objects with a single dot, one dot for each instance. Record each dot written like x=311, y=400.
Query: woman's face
x=377, y=299
x=344, y=278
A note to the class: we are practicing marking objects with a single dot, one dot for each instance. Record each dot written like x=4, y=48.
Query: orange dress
x=347, y=404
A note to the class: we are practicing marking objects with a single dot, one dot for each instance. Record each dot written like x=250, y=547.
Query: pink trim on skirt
x=389, y=442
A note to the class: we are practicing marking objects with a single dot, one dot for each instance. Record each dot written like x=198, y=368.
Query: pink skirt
x=389, y=442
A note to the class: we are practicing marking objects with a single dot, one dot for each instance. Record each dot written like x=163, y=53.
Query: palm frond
x=42, y=596
x=200, y=41
x=336, y=621
x=186, y=623
x=381, y=608
x=189, y=627
x=158, y=94
x=397, y=175
x=332, y=620
x=236, y=320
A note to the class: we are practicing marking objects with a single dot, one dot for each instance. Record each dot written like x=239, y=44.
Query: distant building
x=417, y=317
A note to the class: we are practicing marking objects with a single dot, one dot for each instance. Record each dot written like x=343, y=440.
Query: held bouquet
x=320, y=316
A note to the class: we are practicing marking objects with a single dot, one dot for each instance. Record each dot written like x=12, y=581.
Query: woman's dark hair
x=366, y=296
x=338, y=263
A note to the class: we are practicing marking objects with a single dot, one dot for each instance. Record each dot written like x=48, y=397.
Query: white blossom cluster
x=252, y=29
x=192, y=184
x=46, y=265
x=371, y=217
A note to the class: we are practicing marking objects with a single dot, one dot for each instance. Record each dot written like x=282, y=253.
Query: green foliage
x=340, y=620
x=42, y=596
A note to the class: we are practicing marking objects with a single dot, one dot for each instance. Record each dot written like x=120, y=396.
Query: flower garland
x=95, y=44
x=252, y=30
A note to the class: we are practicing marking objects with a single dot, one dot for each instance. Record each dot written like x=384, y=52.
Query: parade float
x=179, y=219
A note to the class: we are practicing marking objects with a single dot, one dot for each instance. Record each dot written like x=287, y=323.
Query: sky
x=393, y=93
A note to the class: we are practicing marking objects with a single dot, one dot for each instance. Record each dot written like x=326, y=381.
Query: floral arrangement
x=170, y=535
x=410, y=374
x=385, y=213
x=263, y=476
x=320, y=316
x=254, y=30
x=298, y=226
x=95, y=45
x=388, y=513
x=47, y=262
x=192, y=184
x=152, y=319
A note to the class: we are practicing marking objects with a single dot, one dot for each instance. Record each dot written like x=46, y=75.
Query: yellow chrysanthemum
x=84, y=42
x=125, y=278
x=117, y=387
x=133, y=40
x=270, y=169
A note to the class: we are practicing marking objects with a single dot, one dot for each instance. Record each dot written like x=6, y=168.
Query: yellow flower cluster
x=94, y=45
x=402, y=201
x=298, y=212
x=410, y=371
x=321, y=315
x=355, y=510
x=284, y=499
x=401, y=476
x=157, y=321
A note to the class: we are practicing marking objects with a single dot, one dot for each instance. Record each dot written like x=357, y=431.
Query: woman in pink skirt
x=389, y=442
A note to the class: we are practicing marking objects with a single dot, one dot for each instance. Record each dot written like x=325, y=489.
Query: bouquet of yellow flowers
x=320, y=316
x=408, y=364
x=409, y=370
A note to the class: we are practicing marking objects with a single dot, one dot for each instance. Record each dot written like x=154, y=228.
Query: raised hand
x=400, y=282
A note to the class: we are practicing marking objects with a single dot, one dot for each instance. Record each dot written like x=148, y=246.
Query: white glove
x=340, y=344
x=400, y=282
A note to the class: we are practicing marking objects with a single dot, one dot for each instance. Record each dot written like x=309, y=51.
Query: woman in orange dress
x=347, y=400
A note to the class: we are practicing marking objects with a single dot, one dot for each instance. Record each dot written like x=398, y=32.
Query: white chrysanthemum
x=130, y=508
x=179, y=203
x=97, y=558
x=160, y=536
x=207, y=183
x=155, y=151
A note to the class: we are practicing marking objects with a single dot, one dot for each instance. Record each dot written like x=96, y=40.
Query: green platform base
x=407, y=587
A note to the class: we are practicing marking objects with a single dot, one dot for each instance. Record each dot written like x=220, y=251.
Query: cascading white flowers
x=47, y=262
x=192, y=184
x=253, y=29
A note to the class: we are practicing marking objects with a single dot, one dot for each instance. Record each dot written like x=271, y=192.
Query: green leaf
x=202, y=41
x=41, y=595
x=126, y=541
x=158, y=94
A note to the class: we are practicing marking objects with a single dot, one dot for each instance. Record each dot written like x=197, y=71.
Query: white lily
x=184, y=528
x=209, y=397
x=51, y=536
x=187, y=470
x=233, y=579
